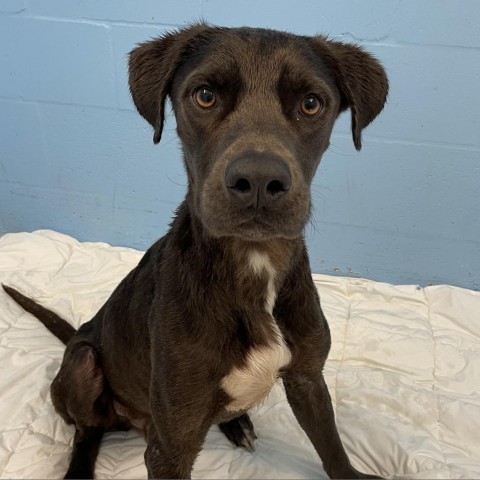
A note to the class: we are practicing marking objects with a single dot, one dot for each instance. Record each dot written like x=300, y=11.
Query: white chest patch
x=260, y=262
x=249, y=385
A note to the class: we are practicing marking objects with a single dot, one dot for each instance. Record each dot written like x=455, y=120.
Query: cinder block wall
x=77, y=158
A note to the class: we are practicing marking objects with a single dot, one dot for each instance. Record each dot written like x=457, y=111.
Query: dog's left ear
x=152, y=66
x=362, y=81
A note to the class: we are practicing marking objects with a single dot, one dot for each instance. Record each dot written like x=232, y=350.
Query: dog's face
x=255, y=109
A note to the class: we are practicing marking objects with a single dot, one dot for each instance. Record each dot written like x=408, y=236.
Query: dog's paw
x=348, y=472
x=365, y=475
x=240, y=432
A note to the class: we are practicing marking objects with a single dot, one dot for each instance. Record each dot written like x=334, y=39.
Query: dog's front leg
x=306, y=330
x=172, y=453
x=308, y=396
x=182, y=410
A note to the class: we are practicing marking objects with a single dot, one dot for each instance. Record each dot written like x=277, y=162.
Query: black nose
x=257, y=180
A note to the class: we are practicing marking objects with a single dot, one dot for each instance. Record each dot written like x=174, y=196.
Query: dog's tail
x=58, y=326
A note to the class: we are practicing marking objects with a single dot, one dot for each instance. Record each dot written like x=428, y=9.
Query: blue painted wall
x=77, y=158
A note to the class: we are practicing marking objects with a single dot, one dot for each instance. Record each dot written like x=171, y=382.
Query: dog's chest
x=249, y=384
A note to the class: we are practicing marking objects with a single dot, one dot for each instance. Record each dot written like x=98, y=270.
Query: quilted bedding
x=404, y=375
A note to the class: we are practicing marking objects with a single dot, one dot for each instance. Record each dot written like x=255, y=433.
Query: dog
x=224, y=304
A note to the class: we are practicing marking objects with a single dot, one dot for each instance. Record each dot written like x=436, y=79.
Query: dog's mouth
x=257, y=226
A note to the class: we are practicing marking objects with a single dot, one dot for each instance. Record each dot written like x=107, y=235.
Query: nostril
x=242, y=185
x=275, y=187
x=256, y=180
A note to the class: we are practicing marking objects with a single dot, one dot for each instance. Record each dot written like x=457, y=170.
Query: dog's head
x=255, y=109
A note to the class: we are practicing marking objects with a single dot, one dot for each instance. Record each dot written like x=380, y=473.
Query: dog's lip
x=255, y=226
x=261, y=224
x=256, y=218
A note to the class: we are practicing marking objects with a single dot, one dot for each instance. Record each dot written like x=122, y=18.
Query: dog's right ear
x=151, y=68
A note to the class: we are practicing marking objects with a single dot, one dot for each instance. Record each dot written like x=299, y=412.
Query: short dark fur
x=155, y=354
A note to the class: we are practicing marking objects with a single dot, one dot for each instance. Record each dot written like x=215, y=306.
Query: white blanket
x=404, y=375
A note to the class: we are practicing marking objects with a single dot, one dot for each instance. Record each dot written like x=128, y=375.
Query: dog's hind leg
x=240, y=432
x=82, y=397
x=85, y=450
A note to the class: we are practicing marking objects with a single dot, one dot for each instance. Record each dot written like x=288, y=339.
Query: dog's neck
x=260, y=269
x=252, y=271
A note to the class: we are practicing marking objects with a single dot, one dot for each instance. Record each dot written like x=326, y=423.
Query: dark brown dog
x=224, y=304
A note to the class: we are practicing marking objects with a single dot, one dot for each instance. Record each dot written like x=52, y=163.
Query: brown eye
x=204, y=97
x=310, y=105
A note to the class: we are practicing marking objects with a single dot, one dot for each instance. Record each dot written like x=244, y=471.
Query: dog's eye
x=310, y=105
x=204, y=97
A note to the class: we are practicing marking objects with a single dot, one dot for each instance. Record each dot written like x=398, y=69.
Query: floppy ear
x=362, y=81
x=151, y=68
